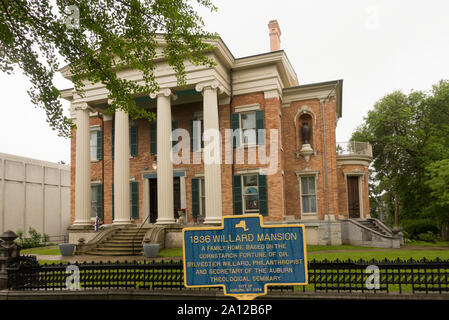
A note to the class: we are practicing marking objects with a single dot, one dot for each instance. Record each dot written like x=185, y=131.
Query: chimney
x=275, y=35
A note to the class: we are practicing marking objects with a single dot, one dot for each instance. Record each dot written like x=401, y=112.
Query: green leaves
x=410, y=138
x=109, y=36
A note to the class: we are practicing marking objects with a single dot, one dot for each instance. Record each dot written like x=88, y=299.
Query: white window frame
x=308, y=173
x=244, y=188
x=308, y=195
x=199, y=134
x=247, y=144
x=93, y=147
x=93, y=199
x=246, y=109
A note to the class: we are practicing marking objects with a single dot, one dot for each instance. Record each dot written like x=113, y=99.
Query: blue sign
x=244, y=256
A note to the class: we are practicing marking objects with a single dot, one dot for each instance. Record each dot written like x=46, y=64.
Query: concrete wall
x=35, y=194
x=355, y=234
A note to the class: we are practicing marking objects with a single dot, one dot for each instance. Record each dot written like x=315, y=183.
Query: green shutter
x=99, y=145
x=202, y=133
x=260, y=125
x=100, y=201
x=263, y=200
x=153, y=138
x=235, y=124
x=174, y=126
x=113, y=216
x=237, y=194
x=134, y=189
x=113, y=141
x=195, y=197
x=133, y=141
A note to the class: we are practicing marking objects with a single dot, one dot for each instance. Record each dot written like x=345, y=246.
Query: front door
x=176, y=197
x=153, y=198
x=353, y=197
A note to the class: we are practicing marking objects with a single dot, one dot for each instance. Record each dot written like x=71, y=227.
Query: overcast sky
x=376, y=47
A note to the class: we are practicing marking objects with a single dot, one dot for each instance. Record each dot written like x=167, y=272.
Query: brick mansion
x=123, y=171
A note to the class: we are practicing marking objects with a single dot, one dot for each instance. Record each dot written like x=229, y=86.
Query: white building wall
x=35, y=194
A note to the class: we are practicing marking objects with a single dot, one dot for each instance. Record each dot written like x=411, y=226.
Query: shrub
x=429, y=236
x=413, y=228
x=33, y=241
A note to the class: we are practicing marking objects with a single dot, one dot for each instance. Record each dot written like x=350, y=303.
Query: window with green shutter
x=133, y=141
x=134, y=199
x=237, y=194
x=248, y=128
x=96, y=201
x=263, y=199
x=96, y=144
x=250, y=194
x=260, y=127
x=235, y=126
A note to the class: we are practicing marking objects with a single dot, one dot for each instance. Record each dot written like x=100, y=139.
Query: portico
x=163, y=99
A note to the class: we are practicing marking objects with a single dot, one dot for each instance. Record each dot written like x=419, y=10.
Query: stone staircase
x=120, y=243
x=369, y=233
x=373, y=225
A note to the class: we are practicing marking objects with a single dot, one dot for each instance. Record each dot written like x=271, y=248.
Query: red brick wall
x=283, y=191
x=292, y=164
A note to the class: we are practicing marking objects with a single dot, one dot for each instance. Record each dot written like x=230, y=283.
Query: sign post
x=244, y=256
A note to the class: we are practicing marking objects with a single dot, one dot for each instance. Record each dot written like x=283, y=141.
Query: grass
x=427, y=244
x=381, y=255
x=319, y=252
x=42, y=251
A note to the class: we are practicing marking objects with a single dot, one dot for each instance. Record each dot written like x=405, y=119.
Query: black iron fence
x=427, y=276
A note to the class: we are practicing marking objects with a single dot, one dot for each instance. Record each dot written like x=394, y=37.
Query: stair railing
x=139, y=231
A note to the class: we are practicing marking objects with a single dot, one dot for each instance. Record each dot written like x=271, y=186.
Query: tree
x=97, y=38
x=410, y=138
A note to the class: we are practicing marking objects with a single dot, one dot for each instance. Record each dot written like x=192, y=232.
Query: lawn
x=342, y=252
x=380, y=255
x=48, y=251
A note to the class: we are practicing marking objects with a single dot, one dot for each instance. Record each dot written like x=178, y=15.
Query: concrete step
x=102, y=253
x=125, y=238
x=110, y=250
x=121, y=243
x=373, y=226
x=129, y=242
x=132, y=231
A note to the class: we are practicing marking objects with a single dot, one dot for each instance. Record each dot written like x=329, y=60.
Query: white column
x=121, y=169
x=212, y=171
x=82, y=166
x=164, y=163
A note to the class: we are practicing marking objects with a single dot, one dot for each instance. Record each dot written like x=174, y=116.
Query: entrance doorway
x=153, y=198
x=353, y=197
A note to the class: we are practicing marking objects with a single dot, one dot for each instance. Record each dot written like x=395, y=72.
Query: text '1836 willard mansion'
x=243, y=137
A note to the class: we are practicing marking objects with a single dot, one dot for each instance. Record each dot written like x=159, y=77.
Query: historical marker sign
x=244, y=256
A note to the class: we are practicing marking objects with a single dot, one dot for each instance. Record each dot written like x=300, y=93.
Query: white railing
x=354, y=148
